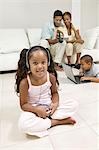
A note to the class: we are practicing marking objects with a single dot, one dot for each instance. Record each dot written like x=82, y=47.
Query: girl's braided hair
x=22, y=70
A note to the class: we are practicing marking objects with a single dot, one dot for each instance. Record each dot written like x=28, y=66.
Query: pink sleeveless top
x=39, y=95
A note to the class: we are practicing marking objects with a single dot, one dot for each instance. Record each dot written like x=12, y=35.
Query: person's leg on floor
x=57, y=50
x=78, y=48
x=69, y=52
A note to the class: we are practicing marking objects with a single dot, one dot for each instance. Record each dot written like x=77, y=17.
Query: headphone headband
x=39, y=47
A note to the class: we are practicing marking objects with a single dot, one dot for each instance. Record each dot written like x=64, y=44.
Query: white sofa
x=12, y=41
x=91, y=44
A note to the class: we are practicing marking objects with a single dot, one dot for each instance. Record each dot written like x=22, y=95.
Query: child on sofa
x=88, y=69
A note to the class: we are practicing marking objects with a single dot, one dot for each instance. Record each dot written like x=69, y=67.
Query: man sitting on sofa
x=50, y=38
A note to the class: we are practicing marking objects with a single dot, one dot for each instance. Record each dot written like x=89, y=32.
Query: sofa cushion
x=94, y=53
x=9, y=61
x=34, y=35
x=90, y=37
x=13, y=40
x=97, y=40
x=97, y=43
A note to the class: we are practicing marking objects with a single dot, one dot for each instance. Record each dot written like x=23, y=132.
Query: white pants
x=31, y=124
x=57, y=50
x=73, y=48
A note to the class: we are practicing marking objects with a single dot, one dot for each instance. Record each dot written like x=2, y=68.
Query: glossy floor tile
x=84, y=135
x=78, y=138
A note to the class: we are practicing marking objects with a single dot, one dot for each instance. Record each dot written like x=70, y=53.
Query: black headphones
x=37, y=47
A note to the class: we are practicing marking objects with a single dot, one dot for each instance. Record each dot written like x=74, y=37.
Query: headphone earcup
x=27, y=63
x=48, y=63
x=48, y=53
x=44, y=49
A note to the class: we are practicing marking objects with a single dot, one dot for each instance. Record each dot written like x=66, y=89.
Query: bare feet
x=58, y=68
x=68, y=120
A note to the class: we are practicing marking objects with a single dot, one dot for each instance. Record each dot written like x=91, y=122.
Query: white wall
x=97, y=12
x=88, y=14
x=29, y=13
x=76, y=13
x=85, y=14
x=34, y=13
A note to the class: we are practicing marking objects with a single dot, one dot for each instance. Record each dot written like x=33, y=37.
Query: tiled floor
x=84, y=135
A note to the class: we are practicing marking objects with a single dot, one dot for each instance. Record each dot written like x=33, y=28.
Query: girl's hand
x=53, y=107
x=42, y=112
x=79, y=41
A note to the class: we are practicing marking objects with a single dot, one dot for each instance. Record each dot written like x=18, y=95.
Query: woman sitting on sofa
x=74, y=41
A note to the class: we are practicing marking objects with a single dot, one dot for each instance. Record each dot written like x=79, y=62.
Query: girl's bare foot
x=68, y=120
x=58, y=68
